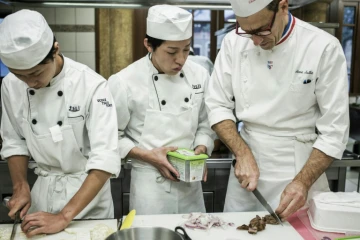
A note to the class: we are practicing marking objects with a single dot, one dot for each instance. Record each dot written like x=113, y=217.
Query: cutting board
x=170, y=221
x=80, y=230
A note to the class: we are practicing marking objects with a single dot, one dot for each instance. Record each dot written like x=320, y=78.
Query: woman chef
x=160, y=101
x=61, y=114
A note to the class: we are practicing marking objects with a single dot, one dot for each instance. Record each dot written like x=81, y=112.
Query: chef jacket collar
x=288, y=29
x=61, y=74
x=153, y=69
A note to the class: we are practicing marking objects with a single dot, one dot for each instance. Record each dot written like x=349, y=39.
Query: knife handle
x=6, y=201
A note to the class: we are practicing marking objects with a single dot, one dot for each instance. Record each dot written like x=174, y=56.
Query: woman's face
x=40, y=75
x=170, y=56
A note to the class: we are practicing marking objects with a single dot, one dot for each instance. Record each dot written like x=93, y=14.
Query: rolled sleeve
x=219, y=97
x=332, y=96
x=13, y=142
x=120, y=95
x=102, y=128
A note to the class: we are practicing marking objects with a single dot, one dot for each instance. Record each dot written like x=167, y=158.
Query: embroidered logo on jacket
x=197, y=86
x=74, y=108
x=270, y=64
x=104, y=102
x=305, y=72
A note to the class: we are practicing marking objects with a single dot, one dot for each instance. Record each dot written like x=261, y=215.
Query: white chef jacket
x=90, y=101
x=304, y=85
x=131, y=92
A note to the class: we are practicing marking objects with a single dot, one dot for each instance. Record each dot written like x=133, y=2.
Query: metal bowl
x=149, y=233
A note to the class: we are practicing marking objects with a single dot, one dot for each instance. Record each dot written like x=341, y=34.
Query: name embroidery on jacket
x=104, y=102
x=304, y=72
x=74, y=108
x=197, y=86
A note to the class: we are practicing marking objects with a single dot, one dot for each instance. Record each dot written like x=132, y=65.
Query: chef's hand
x=21, y=199
x=292, y=199
x=247, y=171
x=43, y=223
x=198, y=150
x=158, y=158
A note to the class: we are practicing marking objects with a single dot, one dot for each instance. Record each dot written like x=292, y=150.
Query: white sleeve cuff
x=125, y=146
x=206, y=141
x=8, y=151
x=107, y=161
x=219, y=115
x=330, y=147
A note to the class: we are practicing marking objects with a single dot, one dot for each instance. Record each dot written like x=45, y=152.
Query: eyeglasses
x=260, y=33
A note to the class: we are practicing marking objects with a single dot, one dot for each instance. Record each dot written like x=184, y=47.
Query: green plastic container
x=190, y=166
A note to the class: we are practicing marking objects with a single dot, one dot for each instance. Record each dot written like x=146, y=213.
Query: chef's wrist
x=305, y=183
x=66, y=215
x=21, y=186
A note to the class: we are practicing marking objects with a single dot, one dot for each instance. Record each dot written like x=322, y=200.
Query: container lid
x=187, y=154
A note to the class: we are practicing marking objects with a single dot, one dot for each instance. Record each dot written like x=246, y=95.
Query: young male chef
x=287, y=81
x=160, y=105
x=60, y=113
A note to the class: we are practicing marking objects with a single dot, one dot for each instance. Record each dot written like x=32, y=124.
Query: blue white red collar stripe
x=289, y=28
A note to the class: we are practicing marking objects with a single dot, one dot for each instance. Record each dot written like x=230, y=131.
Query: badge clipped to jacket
x=56, y=133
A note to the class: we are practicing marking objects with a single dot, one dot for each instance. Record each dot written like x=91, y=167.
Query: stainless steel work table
x=338, y=167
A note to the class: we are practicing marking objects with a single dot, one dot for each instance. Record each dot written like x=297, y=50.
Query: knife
x=263, y=202
x=16, y=221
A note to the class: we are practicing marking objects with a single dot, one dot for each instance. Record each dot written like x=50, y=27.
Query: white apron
x=61, y=169
x=279, y=160
x=150, y=193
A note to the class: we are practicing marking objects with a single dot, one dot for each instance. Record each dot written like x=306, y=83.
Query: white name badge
x=56, y=133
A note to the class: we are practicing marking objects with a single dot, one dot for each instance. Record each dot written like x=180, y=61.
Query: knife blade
x=263, y=201
x=16, y=222
x=266, y=205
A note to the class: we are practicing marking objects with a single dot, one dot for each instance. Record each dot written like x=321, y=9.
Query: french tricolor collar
x=288, y=29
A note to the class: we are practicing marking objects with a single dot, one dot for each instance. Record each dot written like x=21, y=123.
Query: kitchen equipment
x=150, y=233
x=263, y=201
x=128, y=220
x=335, y=212
x=17, y=218
x=190, y=166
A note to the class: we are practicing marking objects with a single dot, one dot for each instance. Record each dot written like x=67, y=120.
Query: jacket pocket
x=72, y=119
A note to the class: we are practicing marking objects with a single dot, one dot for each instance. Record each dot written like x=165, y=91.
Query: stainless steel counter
x=224, y=159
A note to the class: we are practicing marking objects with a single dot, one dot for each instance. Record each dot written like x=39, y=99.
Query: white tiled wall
x=79, y=46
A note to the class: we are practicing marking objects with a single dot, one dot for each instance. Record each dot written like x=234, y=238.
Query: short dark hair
x=154, y=42
x=273, y=6
x=49, y=57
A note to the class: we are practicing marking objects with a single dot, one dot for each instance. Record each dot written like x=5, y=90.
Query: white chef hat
x=245, y=8
x=168, y=22
x=25, y=39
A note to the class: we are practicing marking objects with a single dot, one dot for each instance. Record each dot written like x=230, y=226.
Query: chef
x=160, y=105
x=287, y=81
x=60, y=113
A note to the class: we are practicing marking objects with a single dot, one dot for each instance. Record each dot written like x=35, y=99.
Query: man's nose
x=257, y=40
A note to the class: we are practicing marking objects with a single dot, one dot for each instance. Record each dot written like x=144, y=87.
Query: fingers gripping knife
x=262, y=200
x=17, y=218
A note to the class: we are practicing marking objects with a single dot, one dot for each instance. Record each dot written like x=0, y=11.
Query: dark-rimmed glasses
x=260, y=33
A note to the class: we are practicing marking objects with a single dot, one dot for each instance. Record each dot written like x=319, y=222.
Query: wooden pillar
x=114, y=40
